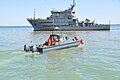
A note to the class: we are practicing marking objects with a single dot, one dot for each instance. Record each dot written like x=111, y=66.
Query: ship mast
x=73, y=5
x=73, y=2
x=34, y=14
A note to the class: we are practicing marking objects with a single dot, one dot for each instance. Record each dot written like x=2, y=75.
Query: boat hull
x=49, y=26
x=58, y=47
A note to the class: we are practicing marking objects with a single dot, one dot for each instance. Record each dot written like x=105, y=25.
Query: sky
x=15, y=12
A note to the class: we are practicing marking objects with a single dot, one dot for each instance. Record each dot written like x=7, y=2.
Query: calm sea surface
x=97, y=59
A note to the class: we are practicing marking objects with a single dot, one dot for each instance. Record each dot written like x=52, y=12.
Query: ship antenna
x=109, y=22
x=34, y=14
x=73, y=2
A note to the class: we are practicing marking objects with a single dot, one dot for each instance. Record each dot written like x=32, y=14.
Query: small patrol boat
x=55, y=42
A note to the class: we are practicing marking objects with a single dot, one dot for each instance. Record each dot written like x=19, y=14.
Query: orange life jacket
x=53, y=42
x=56, y=40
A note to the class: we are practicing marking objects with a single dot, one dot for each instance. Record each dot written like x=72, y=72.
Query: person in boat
x=51, y=41
x=45, y=44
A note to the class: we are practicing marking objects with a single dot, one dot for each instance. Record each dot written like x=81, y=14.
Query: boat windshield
x=54, y=36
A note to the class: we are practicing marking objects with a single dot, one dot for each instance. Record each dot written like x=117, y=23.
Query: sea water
x=97, y=59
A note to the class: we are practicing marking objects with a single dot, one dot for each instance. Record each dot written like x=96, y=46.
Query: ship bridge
x=63, y=17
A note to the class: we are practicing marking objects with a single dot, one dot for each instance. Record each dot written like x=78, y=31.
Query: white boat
x=55, y=42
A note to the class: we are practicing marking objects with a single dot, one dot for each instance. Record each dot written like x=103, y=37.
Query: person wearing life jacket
x=45, y=44
x=56, y=40
x=81, y=41
x=51, y=41
x=76, y=38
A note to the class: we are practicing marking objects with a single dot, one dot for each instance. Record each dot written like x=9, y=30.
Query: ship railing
x=35, y=19
x=105, y=24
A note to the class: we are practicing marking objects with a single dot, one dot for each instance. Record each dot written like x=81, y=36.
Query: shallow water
x=97, y=59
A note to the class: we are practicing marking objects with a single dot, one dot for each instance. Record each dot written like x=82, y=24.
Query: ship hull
x=72, y=28
x=38, y=26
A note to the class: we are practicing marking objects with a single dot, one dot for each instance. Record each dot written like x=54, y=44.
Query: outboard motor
x=26, y=48
x=33, y=49
x=40, y=50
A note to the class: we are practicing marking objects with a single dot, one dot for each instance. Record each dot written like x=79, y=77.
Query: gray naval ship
x=66, y=21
